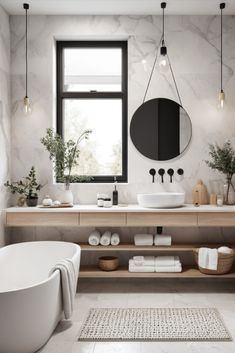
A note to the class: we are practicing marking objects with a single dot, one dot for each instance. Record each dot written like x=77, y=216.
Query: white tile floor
x=145, y=293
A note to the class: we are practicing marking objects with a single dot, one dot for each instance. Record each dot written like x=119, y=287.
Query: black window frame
x=123, y=94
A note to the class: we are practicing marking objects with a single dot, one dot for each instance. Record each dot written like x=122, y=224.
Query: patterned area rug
x=154, y=324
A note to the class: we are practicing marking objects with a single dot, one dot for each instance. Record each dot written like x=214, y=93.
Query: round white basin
x=161, y=199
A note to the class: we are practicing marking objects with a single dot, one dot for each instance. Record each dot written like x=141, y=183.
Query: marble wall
x=193, y=45
x=4, y=116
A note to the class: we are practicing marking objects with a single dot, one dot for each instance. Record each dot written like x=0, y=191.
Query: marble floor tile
x=144, y=294
x=117, y=347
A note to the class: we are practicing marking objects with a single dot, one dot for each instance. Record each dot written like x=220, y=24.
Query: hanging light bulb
x=163, y=61
x=26, y=102
x=221, y=93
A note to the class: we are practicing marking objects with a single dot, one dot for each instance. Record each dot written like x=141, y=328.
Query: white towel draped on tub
x=105, y=240
x=94, y=238
x=69, y=275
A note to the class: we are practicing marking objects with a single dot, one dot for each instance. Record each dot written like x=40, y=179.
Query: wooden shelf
x=122, y=272
x=134, y=248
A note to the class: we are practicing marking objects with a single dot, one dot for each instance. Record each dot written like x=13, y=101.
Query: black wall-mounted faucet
x=171, y=173
x=153, y=173
x=161, y=172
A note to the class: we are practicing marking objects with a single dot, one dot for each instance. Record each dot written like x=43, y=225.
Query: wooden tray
x=64, y=205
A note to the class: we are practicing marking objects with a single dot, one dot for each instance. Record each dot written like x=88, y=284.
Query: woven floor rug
x=154, y=324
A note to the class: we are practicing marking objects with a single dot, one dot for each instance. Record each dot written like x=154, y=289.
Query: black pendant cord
x=221, y=51
x=163, y=25
x=173, y=76
x=26, y=52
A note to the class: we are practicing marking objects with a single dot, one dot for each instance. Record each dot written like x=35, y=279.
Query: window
x=92, y=94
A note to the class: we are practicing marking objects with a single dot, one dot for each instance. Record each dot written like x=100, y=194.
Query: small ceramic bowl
x=108, y=263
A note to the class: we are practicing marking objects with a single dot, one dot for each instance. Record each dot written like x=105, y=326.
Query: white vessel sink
x=161, y=200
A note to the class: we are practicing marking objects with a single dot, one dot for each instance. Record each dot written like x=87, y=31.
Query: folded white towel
x=142, y=268
x=105, y=238
x=177, y=268
x=203, y=257
x=144, y=260
x=213, y=259
x=69, y=274
x=167, y=260
x=94, y=238
x=208, y=258
x=162, y=240
x=143, y=239
x=138, y=260
x=115, y=239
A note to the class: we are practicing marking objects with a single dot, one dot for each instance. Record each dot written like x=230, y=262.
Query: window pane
x=102, y=153
x=92, y=69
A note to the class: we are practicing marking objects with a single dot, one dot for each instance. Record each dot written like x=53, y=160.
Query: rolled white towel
x=105, y=238
x=144, y=260
x=162, y=240
x=225, y=250
x=143, y=239
x=94, y=238
x=115, y=239
x=177, y=268
x=142, y=268
x=167, y=261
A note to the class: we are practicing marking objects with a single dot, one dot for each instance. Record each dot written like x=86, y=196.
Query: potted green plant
x=65, y=156
x=223, y=160
x=28, y=187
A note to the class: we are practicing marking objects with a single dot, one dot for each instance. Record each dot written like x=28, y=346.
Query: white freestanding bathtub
x=30, y=299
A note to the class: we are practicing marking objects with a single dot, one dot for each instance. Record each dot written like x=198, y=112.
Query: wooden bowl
x=108, y=263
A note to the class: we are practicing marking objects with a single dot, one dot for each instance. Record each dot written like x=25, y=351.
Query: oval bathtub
x=30, y=300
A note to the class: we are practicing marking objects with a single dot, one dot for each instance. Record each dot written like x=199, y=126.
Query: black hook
x=171, y=173
x=161, y=172
x=153, y=173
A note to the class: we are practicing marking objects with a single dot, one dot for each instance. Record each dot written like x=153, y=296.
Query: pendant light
x=163, y=61
x=221, y=94
x=26, y=101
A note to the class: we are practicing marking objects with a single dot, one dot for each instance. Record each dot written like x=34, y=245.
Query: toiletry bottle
x=115, y=193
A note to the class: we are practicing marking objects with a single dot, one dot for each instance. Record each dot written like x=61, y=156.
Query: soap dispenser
x=115, y=193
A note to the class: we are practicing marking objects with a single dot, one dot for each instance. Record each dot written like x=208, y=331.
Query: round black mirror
x=161, y=129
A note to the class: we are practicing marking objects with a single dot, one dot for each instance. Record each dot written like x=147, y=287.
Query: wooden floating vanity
x=128, y=216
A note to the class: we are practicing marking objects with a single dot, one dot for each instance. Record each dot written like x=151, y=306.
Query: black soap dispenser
x=115, y=193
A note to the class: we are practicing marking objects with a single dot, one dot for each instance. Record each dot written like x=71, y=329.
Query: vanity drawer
x=102, y=219
x=161, y=219
x=42, y=219
x=220, y=219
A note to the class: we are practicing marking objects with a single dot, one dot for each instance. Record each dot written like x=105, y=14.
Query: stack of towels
x=155, y=264
x=106, y=239
x=149, y=239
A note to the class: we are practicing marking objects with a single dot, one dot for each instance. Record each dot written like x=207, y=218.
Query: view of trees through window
x=91, y=97
x=102, y=153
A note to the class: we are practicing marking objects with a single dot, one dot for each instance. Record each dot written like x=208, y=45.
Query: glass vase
x=229, y=195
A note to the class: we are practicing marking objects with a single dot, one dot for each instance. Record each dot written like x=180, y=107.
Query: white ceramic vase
x=66, y=195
